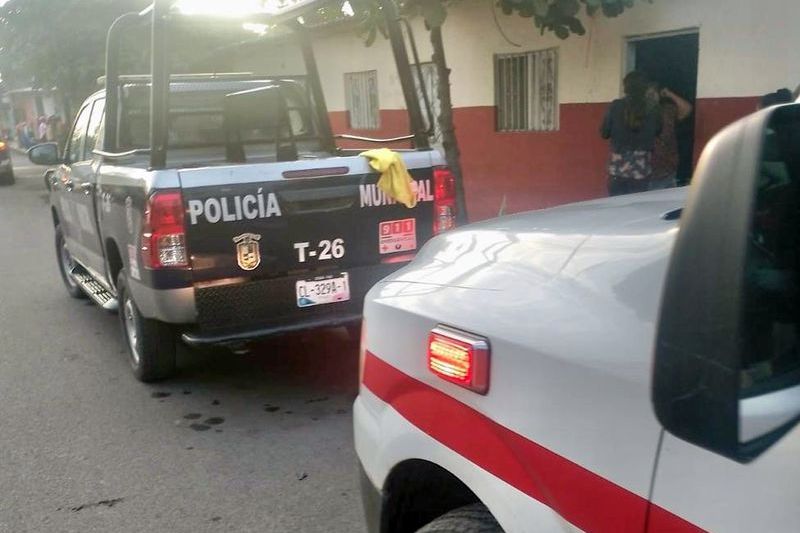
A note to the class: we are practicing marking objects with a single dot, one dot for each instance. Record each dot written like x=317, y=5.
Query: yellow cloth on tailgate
x=395, y=181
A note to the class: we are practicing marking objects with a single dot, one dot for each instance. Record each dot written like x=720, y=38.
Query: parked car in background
x=508, y=377
x=6, y=165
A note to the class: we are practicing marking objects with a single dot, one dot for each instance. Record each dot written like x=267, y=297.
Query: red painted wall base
x=530, y=170
x=534, y=170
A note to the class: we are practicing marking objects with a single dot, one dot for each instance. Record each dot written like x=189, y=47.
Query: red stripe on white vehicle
x=580, y=496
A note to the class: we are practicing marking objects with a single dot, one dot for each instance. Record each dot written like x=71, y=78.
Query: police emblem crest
x=248, y=251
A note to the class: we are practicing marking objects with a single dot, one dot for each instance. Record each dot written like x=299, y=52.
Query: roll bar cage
x=160, y=16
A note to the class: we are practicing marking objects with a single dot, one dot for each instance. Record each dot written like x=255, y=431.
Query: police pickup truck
x=217, y=208
x=620, y=365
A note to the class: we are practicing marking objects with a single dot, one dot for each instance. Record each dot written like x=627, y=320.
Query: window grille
x=526, y=91
x=361, y=94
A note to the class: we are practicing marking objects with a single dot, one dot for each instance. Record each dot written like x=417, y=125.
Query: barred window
x=526, y=91
x=361, y=95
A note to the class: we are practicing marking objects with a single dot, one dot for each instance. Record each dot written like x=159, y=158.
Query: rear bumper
x=206, y=338
x=173, y=306
x=262, y=307
x=239, y=312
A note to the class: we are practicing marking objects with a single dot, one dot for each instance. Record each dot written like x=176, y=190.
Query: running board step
x=94, y=289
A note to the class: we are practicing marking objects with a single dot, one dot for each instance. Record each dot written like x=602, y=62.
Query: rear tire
x=474, y=518
x=151, y=345
x=7, y=178
x=65, y=264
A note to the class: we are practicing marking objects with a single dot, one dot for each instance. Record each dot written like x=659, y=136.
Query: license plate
x=398, y=236
x=325, y=290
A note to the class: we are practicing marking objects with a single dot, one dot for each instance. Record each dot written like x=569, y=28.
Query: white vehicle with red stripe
x=595, y=367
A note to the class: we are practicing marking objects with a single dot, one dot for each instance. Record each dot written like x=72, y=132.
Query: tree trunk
x=449, y=139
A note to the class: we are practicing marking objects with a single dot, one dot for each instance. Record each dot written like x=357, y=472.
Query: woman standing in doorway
x=666, y=157
x=632, y=125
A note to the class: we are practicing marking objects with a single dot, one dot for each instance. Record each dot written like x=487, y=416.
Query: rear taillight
x=163, y=234
x=444, y=200
x=460, y=358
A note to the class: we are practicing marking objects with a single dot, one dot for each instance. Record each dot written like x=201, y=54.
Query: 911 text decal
x=247, y=207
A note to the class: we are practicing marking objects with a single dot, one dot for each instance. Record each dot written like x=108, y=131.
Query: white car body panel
x=568, y=299
x=720, y=495
x=405, y=441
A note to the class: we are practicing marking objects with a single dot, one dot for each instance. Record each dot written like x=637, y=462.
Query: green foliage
x=49, y=43
x=370, y=18
x=434, y=12
x=45, y=43
x=562, y=16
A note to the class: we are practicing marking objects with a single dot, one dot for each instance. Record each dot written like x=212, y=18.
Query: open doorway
x=672, y=60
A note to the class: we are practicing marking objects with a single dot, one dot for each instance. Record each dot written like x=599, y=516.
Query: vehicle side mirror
x=727, y=362
x=44, y=154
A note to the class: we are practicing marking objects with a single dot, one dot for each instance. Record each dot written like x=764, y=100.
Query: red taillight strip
x=580, y=496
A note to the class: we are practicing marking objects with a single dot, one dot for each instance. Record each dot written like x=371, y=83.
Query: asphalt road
x=85, y=447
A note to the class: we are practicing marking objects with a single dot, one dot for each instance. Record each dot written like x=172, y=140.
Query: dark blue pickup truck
x=216, y=209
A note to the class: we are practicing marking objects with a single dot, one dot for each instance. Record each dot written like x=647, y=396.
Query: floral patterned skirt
x=636, y=165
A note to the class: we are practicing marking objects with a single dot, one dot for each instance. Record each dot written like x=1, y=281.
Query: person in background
x=60, y=129
x=41, y=131
x=632, y=125
x=779, y=97
x=19, y=133
x=666, y=157
x=25, y=138
x=51, y=130
x=30, y=131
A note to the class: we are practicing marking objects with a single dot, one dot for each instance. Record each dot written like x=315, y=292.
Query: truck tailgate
x=313, y=227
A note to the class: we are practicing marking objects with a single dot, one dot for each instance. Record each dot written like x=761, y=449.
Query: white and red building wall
x=746, y=49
